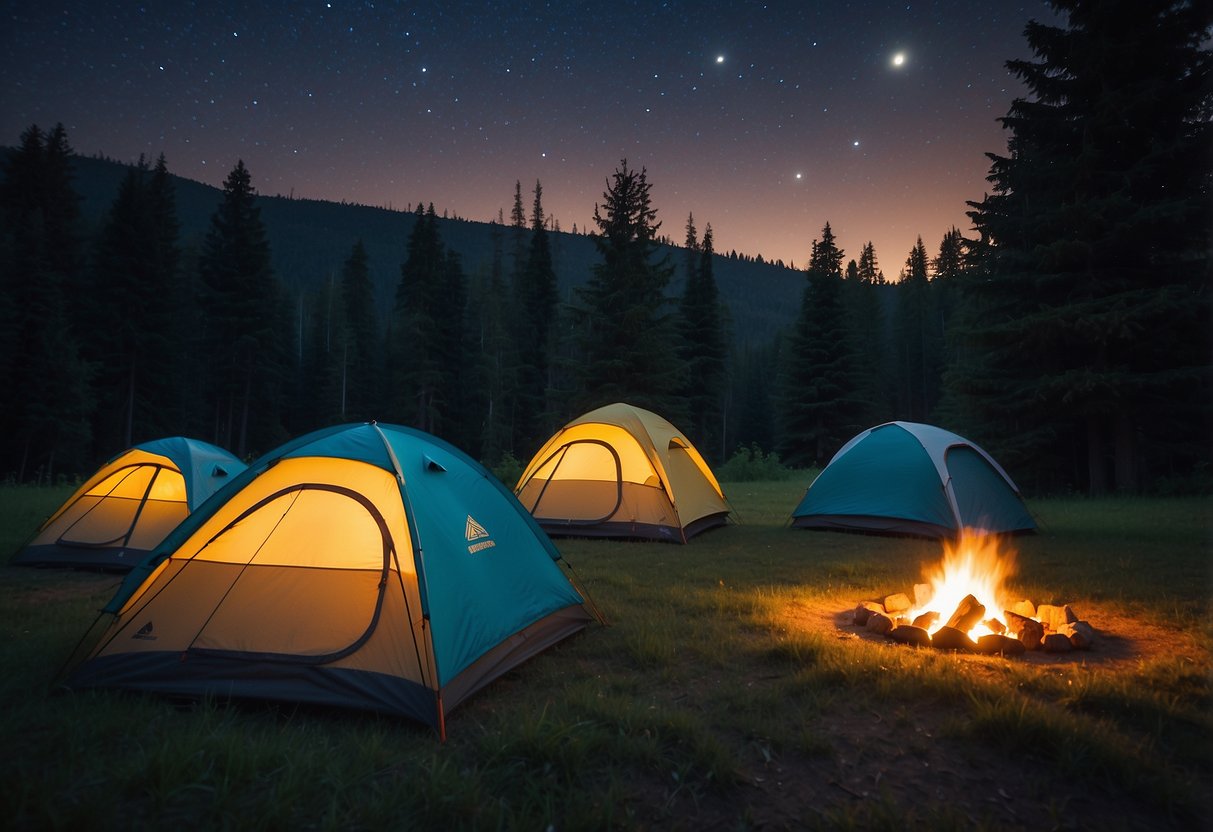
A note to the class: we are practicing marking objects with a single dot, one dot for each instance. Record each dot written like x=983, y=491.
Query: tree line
x=1070, y=336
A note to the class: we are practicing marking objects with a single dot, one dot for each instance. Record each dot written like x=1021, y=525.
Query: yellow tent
x=620, y=471
x=130, y=504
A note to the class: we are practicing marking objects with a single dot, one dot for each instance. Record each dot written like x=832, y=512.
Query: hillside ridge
x=311, y=239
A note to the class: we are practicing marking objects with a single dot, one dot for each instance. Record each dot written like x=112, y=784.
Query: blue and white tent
x=366, y=566
x=913, y=479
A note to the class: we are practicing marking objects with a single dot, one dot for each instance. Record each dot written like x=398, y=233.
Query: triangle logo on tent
x=145, y=633
x=475, y=531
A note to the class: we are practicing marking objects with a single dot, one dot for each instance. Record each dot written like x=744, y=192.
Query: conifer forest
x=1067, y=331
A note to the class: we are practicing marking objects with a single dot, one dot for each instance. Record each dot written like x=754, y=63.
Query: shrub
x=508, y=469
x=751, y=465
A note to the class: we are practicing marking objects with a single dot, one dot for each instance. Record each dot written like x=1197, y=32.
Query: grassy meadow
x=722, y=695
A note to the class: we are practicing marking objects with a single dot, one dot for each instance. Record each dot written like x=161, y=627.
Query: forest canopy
x=1068, y=334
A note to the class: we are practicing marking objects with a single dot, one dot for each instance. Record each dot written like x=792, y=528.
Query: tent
x=366, y=566
x=130, y=504
x=908, y=478
x=620, y=471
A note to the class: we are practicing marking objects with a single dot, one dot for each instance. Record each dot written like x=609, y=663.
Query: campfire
x=964, y=604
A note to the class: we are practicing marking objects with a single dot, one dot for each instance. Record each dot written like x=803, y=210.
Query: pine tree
x=869, y=268
x=1089, y=313
x=458, y=425
x=690, y=249
x=518, y=231
x=45, y=424
x=704, y=353
x=818, y=404
x=917, y=346
x=950, y=262
x=491, y=342
x=625, y=327
x=361, y=340
x=866, y=326
x=113, y=329
x=131, y=329
x=415, y=378
x=947, y=273
x=427, y=351
x=64, y=232
x=321, y=354
x=138, y=328
x=241, y=299
x=172, y=317
x=536, y=300
x=517, y=214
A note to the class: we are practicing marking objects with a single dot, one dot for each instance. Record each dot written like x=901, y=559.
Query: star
x=533, y=85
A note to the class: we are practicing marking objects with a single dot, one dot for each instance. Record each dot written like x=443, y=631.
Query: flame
x=973, y=565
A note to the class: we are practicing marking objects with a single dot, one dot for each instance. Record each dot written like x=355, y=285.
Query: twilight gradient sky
x=764, y=119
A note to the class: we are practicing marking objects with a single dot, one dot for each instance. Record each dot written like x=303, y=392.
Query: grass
x=719, y=697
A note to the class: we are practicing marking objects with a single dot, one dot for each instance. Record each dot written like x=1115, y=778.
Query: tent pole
x=441, y=718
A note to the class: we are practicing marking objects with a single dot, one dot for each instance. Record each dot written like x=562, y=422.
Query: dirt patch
x=905, y=760
x=902, y=767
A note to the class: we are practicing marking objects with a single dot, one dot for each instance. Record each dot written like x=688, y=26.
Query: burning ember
x=969, y=588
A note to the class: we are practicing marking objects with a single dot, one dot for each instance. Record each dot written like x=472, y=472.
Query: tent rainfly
x=913, y=479
x=366, y=566
x=620, y=471
x=130, y=504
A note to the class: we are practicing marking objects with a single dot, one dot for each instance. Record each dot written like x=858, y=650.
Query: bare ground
x=907, y=760
x=904, y=766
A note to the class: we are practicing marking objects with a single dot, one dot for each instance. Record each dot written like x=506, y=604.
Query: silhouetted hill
x=310, y=240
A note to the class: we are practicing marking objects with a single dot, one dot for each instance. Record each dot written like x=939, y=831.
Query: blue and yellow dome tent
x=132, y=502
x=913, y=479
x=367, y=566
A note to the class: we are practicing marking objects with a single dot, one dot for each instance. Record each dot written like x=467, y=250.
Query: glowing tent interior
x=621, y=471
x=130, y=504
x=367, y=566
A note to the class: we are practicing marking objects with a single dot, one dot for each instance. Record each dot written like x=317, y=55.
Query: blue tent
x=367, y=566
x=130, y=504
x=909, y=478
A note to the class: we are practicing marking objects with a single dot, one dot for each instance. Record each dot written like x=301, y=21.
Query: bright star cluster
x=764, y=119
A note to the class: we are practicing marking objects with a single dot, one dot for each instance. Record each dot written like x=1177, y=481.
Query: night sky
x=763, y=119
